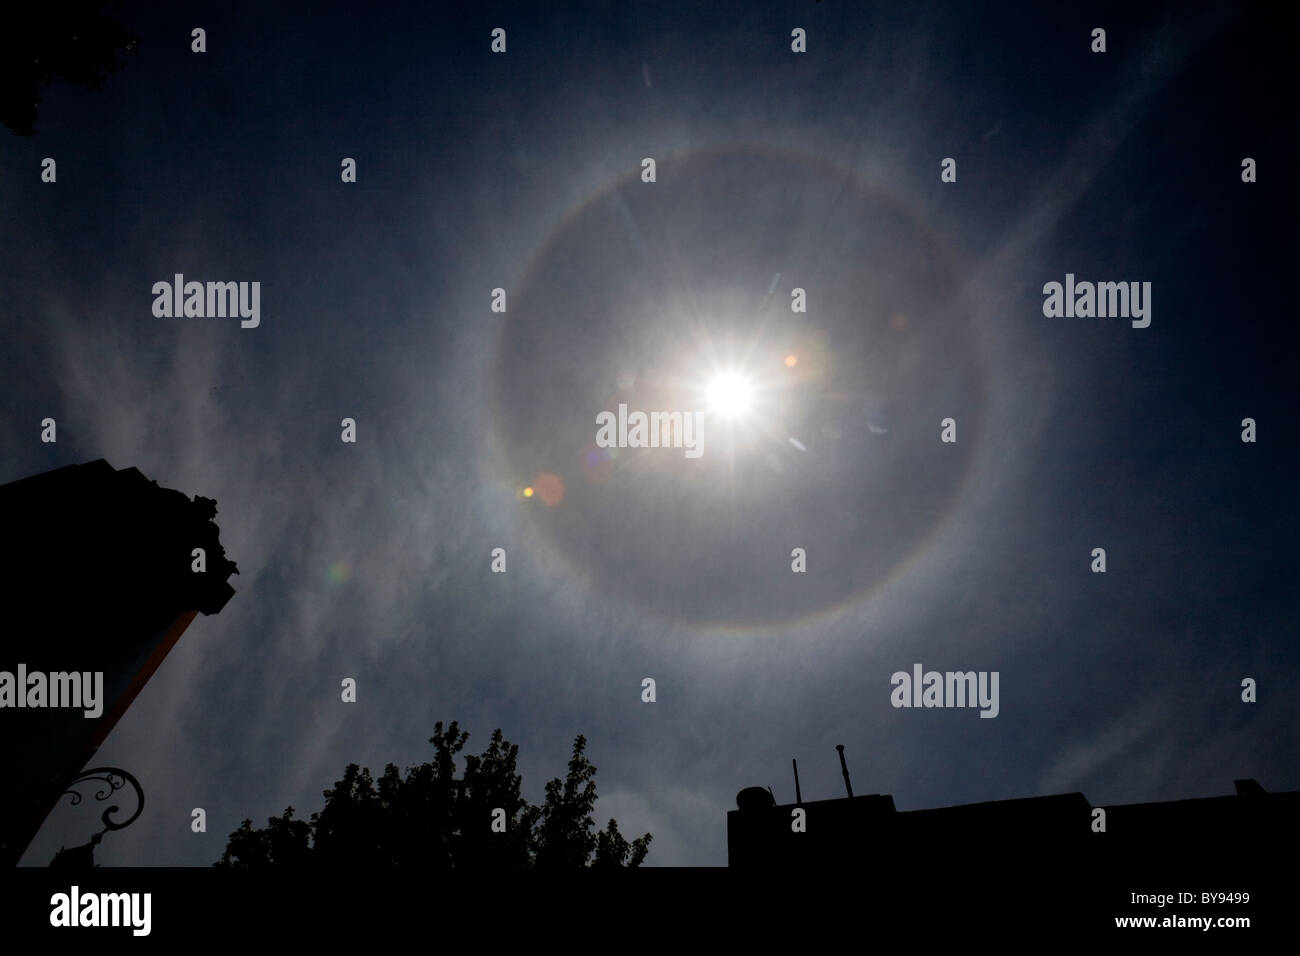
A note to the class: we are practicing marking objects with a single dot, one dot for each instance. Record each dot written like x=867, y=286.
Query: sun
x=729, y=395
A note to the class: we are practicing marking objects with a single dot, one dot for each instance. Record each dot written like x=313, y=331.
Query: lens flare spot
x=550, y=488
x=791, y=360
x=597, y=464
x=528, y=492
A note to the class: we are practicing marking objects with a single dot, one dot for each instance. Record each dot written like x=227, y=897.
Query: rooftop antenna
x=798, y=797
x=844, y=768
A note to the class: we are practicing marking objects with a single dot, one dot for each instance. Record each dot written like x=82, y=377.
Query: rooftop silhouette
x=1054, y=835
x=100, y=566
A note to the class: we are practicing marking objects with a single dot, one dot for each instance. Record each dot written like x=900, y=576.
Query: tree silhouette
x=75, y=41
x=430, y=819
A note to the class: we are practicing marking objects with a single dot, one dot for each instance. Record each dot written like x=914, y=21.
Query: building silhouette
x=98, y=573
x=1048, y=836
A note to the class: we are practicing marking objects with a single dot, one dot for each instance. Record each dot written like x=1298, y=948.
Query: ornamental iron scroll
x=111, y=780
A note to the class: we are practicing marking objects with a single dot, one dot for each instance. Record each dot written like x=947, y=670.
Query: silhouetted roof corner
x=216, y=598
x=143, y=537
x=211, y=591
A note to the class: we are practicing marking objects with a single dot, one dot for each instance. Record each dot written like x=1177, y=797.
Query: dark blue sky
x=775, y=170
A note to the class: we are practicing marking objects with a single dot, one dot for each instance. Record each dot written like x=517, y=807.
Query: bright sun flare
x=729, y=394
